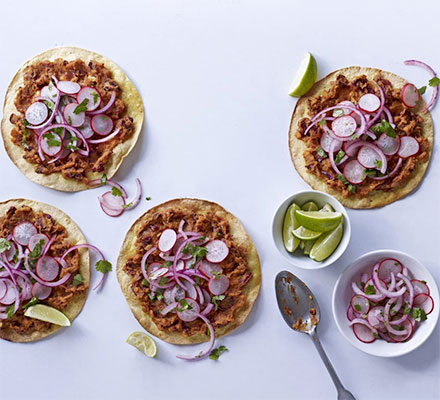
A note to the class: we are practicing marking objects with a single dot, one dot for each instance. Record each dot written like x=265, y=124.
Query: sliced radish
x=408, y=146
x=388, y=266
x=47, y=268
x=11, y=252
x=408, y=327
x=157, y=272
x=218, y=285
x=86, y=129
x=360, y=304
x=326, y=140
x=354, y=172
x=369, y=103
x=23, y=232
x=217, y=251
x=71, y=117
x=3, y=288
x=11, y=293
x=92, y=95
x=409, y=95
x=425, y=302
x=344, y=110
x=191, y=313
x=35, y=239
x=363, y=333
x=40, y=291
x=68, y=87
x=167, y=240
x=111, y=205
x=181, y=265
x=350, y=313
x=36, y=113
x=375, y=318
x=101, y=124
x=420, y=287
x=344, y=126
x=190, y=289
x=368, y=157
x=210, y=269
x=54, y=139
x=206, y=296
x=388, y=144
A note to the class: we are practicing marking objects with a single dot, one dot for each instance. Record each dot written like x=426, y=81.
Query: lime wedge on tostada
x=47, y=314
x=144, y=343
x=305, y=77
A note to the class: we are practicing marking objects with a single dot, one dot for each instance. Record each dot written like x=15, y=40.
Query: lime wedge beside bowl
x=305, y=77
x=47, y=314
x=144, y=343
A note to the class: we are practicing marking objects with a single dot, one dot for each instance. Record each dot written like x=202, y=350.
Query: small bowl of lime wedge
x=311, y=229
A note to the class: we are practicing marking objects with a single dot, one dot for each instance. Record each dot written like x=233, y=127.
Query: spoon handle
x=343, y=394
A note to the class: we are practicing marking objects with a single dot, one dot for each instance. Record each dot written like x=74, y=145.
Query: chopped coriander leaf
x=184, y=306
x=354, y=137
x=217, y=299
x=342, y=179
x=159, y=294
x=69, y=120
x=351, y=188
x=78, y=279
x=339, y=156
x=151, y=295
x=422, y=90
x=24, y=138
x=49, y=105
x=4, y=245
x=51, y=141
x=197, y=279
x=321, y=122
x=95, y=97
x=370, y=290
x=384, y=127
x=15, y=259
x=215, y=353
x=31, y=303
x=58, y=131
x=103, y=266
x=338, y=112
x=197, y=251
x=357, y=307
x=370, y=172
x=406, y=310
x=81, y=107
x=378, y=163
x=216, y=275
x=103, y=179
x=166, y=264
x=10, y=311
x=163, y=281
x=418, y=314
x=36, y=252
x=116, y=192
x=25, y=122
x=321, y=153
x=435, y=81
x=148, y=198
x=145, y=283
x=127, y=205
x=72, y=143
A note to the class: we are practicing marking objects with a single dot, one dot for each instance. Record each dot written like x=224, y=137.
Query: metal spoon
x=300, y=310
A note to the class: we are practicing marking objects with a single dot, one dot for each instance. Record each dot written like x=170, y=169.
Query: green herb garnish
x=422, y=90
x=184, y=305
x=357, y=307
x=78, y=279
x=103, y=179
x=145, y=283
x=51, y=141
x=95, y=97
x=31, y=303
x=217, y=299
x=81, y=107
x=10, y=310
x=418, y=314
x=103, y=266
x=321, y=152
x=116, y=192
x=384, y=127
x=148, y=198
x=339, y=156
x=196, y=251
x=215, y=353
x=370, y=290
x=378, y=163
x=4, y=245
x=434, y=81
x=163, y=281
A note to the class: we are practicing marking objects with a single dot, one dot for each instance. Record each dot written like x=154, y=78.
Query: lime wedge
x=327, y=243
x=290, y=223
x=318, y=221
x=305, y=234
x=327, y=208
x=308, y=246
x=310, y=206
x=144, y=343
x=305, y=77
x=47, y=314
x=302, y=244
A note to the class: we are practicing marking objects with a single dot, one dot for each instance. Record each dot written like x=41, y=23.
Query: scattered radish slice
x=344, y=126
x=167, y=240
x=36, y=113
x=101, y=124
x=68, y=87
x=354, y=172
x=388, y=144
x=408, y=146
x=410, y=95
x=37, y=238
x=47, y=268
x=40, y=291
x=111, y=205
x=368, y=157
x=369, y=103
x=217, y=251
x=71, y=117
x=23, y=232
x=218, y=285
x=92, y=95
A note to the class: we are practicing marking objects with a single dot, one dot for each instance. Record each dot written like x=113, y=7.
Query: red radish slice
x=167, y=240
x=36, y=113
x=157, y=273
x=408, y=146
x=360, y=304
x=10, y=296
x=375, y=318
x=206, y=296
x=344, y=126
x=219, y=285
x=363, y=333
x=388, y=266
x=36, y=239
x=190, y=289
x=3, y=288
x=92, y=95
x=68, y=87
x=23, y=232
x=420, y=287
x=217, y=251
x=40, y=291
x=51, y=138
x=181, y=265
x=101, y=124
x=50, y=92
x=209, y=269
x=354, y=172
x=410, y=95
x=369, y=103
x=368, y=157
x=191, y=313
x=326, y=141
x=343, y=111
x=86, y=129
x=47, y=268
x=406, y=325
x=425, y=302
x=350, y=313
x=388, y=144
x=71, y=117
x=112, y=205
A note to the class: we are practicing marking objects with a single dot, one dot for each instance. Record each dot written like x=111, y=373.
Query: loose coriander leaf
x=51, y=141
x=418, y=314
x=36, y=252
x=49, y=105
x=422, y=90
x=4, y=245
x=378, y=163
x=25, y=122
x=166, y=264
x=406, y=310
x=338, y=112
x=321, y=153
x=151, y=295
x=184, y=305
x=434, y=81
x=116, y=192
x=339, y=156
x=148, y=198
x=78, y=279
x=69, y=119
x=24, y=138
x=127, y=205
x=163, y=281
x=351, y=188
x=215, y=353
x=31, y=302
x=145, y=283
x=10, y=311
x=370, y=290
x=81, y=107
x=196, y=251
x=103, y=179
x=357, y=307
x=342, y=179
x=370, y=172
x=321, y=122
x=217, y=299
x=103, y=266
x=95, y=96
x=384, y=127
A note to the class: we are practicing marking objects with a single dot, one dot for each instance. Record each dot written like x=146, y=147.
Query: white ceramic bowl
x=342, y=294
x=297, y=258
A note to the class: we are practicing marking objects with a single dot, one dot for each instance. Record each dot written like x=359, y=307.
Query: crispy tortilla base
x=297, y=147
x=241, y=238
x=76, y=237
x=129, y=95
